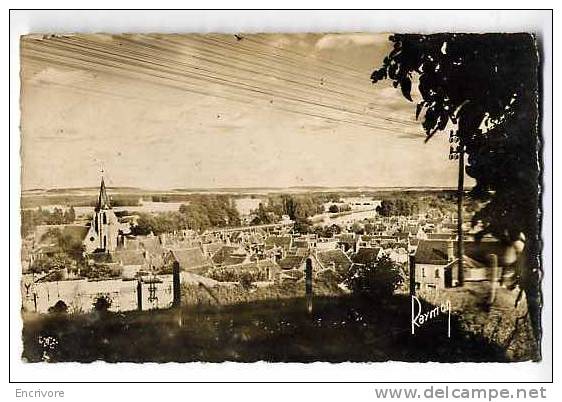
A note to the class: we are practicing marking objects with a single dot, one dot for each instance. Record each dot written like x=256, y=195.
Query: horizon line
x=234, y=188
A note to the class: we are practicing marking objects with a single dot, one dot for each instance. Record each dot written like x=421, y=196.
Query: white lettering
x=419, y=317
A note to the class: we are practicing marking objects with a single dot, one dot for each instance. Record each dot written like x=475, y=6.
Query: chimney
x=450, y=251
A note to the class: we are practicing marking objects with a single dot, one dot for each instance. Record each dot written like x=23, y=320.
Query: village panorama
x=311, y=197
x=279, y=254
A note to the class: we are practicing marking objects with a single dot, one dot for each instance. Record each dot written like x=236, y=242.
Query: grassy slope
x=339, y=329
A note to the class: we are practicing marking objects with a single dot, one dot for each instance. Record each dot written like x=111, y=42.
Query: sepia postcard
x=298, y=197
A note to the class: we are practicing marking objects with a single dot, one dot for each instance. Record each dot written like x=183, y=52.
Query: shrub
x=246, y=280
x=236, y=274
x=333, y=209
x=375, y=281
x=102, y=303
x=60, y=307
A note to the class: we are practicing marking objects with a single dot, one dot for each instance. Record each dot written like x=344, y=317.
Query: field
x=339, y=329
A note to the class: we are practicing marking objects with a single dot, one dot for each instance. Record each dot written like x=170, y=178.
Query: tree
x=397, y=207
x=302, y=225
x=262, y=216
x=484, y=88
x=56, y=262
x=70, y=215
x=333, y=209
x=376, y=281
x=357, y=228
x=327, y=231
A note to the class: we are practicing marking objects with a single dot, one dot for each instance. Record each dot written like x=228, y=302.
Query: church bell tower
x=104, y=228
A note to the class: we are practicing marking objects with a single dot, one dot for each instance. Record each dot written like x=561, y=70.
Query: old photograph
x=281, y=197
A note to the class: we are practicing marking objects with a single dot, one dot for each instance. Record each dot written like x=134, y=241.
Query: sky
x=195, y=111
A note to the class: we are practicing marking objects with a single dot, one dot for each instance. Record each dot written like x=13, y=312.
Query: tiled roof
x=190, y=258
x=129, y=257
x=336, y=258
x=291, y=262
x=212, y=248
x=435, y=251
x=152, y=245
x=432, y=252
x=229, y=255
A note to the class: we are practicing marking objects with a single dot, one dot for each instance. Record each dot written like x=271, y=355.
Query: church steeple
x=103, y=198
x=104, y=228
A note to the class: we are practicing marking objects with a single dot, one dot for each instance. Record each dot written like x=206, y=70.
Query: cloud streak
x=164, y=120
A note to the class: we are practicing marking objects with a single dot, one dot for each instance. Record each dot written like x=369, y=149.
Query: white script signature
x=419, y=317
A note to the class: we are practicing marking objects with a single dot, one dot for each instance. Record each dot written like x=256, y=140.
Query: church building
x=104, y=228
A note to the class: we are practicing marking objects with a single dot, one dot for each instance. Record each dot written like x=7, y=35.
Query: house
x=132, y=262
x=278, y=246
x=365, y=241
x=188, y=259
x=50, y=240
x=153, y=251
x=435, y=266
x=438, y=267
x=334, y=259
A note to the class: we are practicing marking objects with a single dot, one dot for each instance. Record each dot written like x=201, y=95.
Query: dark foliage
x=375, y=281
x=487, y=87
x=397, y=207
x=246, y=280
x=298, y=207
x=56, y=262
x=327, y=231
x=202, y=212
x=59, y=307
x=102, y=303
x=31, y=218
x=341, y=329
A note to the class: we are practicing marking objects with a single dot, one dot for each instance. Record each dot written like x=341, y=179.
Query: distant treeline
x=31, y=218
x=414, y=202
x=202, y=212
x=298, y=207
x=36, y=201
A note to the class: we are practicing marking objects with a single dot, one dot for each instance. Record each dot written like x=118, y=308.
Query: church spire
x=103, y=199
